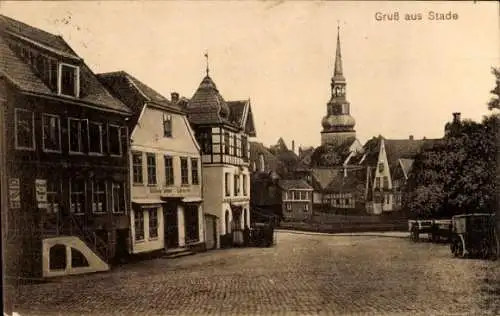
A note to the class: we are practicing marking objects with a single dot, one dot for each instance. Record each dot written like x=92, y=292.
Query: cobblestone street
x=304, y=274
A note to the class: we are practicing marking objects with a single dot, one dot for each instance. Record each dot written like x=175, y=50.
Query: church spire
x=338, y=73
x=208, y=68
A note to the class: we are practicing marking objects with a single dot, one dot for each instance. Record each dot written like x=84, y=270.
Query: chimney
x=411, y=137
x=425, y=138
x=174, y=96
x=293, y=146
x=456, y=117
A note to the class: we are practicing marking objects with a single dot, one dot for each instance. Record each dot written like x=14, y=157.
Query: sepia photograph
x=250, y=157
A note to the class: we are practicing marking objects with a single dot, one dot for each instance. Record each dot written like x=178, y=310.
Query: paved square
x=304, y=274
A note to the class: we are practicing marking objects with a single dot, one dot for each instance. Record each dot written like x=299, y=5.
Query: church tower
x=338, y=124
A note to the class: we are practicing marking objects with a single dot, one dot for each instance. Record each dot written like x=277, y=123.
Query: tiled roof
x=323, y=176
x=21, y=75
x=347, y=182
x=294, y=184
x=207, y=106
x=403, y=148
x=134, y=93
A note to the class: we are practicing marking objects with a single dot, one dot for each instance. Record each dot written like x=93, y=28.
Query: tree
x=494, y=103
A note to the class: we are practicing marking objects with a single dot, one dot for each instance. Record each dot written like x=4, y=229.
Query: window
x=25, y=129
x=244, y=184
x=226, y=143
x=139, y=225
x=387, y=199
x=95, y=137
x=69, y=83
x=77, y=196
x=205, y=141
x=233, y=145
x=99, y=196
x=114, y=137
x=337, y=201
x=51, y=132
x=244, y=146
x=118, y=196
x=381, y=167
x=53, y=195
x=227, y=186
x=167, y=125
x=137, y=167
x=75, y=135
x=195, y=179
x=289, y=207
x=153, y=223
x=347, y=202
x=151, y=162
x=184, y=171
x=386, y=182
x=236, y=185
x=306, y=207
x=169, y=170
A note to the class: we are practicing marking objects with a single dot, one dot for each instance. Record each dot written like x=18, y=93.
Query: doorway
x=171, y=226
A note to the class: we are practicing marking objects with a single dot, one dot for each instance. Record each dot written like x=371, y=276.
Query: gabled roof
x=135, y=94
x=20, y=74
x=323, y=176
x=240, y=113
x=294, y=184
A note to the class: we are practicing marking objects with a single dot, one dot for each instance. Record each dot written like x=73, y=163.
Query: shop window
x=153, y=223
x=77, y=196
x=53, y=195
x=99, y=196
x=139, y=225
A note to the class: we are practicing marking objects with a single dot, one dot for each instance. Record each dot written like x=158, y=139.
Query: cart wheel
x=484, y=250
x=414, y=236
x=457, y=247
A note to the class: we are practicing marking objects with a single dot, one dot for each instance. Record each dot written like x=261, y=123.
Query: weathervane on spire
x=338, y=25
x=206, y=56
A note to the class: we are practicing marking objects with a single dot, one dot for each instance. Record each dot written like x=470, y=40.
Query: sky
x=403, y=77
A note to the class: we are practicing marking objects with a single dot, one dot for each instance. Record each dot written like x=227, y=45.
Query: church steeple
x=338, y=73
x=338, y=124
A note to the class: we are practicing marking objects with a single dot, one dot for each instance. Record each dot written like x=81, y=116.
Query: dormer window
x=167, y=125
x=69, y=80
